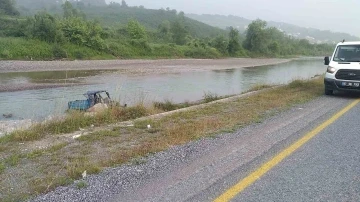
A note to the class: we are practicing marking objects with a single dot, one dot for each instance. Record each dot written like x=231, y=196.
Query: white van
x=343, y=72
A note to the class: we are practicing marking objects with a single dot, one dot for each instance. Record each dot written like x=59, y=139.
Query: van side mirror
x=327, y=60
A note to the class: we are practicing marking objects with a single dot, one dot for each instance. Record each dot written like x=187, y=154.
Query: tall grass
x=20, y=48
x=12, y=48
x=75, y=121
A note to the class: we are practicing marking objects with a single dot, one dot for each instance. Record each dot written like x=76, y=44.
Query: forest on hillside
x=90, y=29
x=315, y=35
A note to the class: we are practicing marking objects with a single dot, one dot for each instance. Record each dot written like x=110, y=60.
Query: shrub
x=165, y=106
x=209, y=97
x=59, y=52
x=199, y=52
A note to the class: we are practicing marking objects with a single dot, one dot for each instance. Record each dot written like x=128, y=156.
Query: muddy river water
x=40, y=103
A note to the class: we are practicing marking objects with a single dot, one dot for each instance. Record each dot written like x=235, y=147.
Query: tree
x=221, y=44
x=256, y=40
x=45, y=27
x=94, y=2
x=164, y=30
x=274, y=47
x=69, y=11
x=124, y=4
x=81, y=32
x=114, y=4
x=136, y=31
x=7, y=8
x=234, y=44
x=179, y=31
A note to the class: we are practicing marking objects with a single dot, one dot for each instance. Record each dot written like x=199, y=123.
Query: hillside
x=313, y=35
x=75, y=30
x=118, y=15
x=31, y=5
x=150, y=18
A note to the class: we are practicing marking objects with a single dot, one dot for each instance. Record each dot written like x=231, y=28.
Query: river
x=39, y=104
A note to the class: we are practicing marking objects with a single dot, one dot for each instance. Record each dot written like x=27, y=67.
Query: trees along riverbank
x=68, y=33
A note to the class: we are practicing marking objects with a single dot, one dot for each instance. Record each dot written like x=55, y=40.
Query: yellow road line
x=251, y=178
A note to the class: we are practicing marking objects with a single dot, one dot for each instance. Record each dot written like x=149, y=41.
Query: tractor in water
x=93, y=98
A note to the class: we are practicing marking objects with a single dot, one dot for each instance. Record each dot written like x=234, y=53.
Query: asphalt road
x=325, y=168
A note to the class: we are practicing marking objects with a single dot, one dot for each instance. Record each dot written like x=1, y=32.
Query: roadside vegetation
x=75, y=30
x=31, y=164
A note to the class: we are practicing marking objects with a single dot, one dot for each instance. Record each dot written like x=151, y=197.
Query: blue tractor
x=93, y=98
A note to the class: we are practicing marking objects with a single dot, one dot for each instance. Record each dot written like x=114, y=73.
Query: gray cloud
x=334, y=15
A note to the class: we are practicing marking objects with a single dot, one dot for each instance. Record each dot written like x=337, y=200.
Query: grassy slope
x=27, y=49
x=39, y=171
x=150, y=18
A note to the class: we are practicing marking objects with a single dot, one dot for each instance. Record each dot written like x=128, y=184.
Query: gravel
x=104, y=186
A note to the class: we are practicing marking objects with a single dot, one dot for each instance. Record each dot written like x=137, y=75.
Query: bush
x=21, y=48
x=209, y=97
x=59, y=52
x=128, y=113
x=79, y=55
x=199, y=52
x=81, y=52
x=141, y=43
x=165, y=106
x=167, y=50
x=5, y=54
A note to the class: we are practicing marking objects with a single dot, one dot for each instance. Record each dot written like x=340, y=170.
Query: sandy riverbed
x=127, y=67
x=137, y=66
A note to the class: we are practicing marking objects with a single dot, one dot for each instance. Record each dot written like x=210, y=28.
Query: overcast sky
x=334, y=15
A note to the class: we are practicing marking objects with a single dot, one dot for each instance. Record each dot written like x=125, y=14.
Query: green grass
x=21, y=48
x=2, y=167
x=48, y=183
x=81, y=184
x=12, y=48
x=13, y=160
x=74, y=121
x=209, y=97
x=76, y=166
x=167, y=105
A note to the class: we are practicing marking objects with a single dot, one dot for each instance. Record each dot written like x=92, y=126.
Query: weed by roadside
x=82, y=184
x=209, y=97
x=75, y=121
x=167, y=105
x=2, y=167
